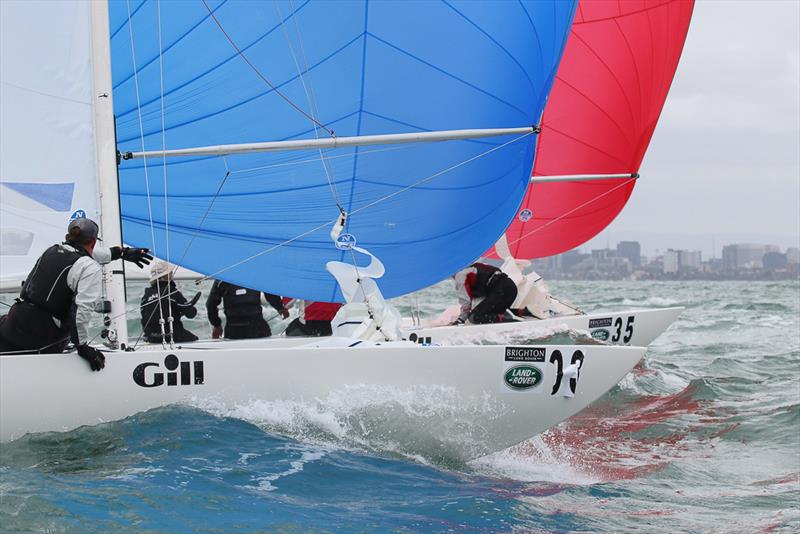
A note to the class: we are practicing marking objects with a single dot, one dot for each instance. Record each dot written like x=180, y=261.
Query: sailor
x=497, y=290
x=243, y=316
x=61, y=293
x=163, y=300
x=315, y=319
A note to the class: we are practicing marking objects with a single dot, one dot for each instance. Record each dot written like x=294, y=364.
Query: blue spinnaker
x=243, y=72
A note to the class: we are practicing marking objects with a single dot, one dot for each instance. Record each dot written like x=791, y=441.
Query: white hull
x=637, y=328
x=40, y=393
x=646, y=326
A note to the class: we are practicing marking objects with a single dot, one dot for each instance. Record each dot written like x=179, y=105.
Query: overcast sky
x=725, y=157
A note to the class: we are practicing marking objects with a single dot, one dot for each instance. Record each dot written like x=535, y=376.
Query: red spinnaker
x=617, y=68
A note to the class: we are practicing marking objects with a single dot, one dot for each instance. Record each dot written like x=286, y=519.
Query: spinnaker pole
x=335, y=142
x=581, y=177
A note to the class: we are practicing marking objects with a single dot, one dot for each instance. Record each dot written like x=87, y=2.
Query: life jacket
x=239, y=302
x=321, y=311
x=477, y=282
x=150, y=303
x=46, y=286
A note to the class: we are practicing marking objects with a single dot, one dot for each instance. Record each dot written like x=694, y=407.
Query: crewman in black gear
x=163, y=300
x=497, y=290
x=243, y=316
x=61, y=293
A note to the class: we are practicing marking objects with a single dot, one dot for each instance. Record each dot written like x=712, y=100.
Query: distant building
x=571, y=258
x=671, y=261
x=603, y=253
x=774, y=261
x=743, y=256
x=742, y=261
x=631, y=250
x=690, y=260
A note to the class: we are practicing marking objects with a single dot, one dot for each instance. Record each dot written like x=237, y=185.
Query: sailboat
x=435, y=115
x=618, y=65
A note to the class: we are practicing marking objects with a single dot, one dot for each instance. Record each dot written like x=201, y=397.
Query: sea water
x=703, y=436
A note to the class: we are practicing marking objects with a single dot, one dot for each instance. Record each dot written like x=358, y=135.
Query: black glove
x=139, y=256
x=96, y=359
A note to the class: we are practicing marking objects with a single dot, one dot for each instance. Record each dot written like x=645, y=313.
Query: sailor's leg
x=255, y=328
x=318, y=328
x=500, y=297
x=296, y=328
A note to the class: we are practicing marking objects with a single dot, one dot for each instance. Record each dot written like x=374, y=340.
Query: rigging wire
x=573, y=210
x=205, y=215
x=144, y=164
x=229, y=173
x=309, y=96
x=308, y=89
x=260, y=74
x=314, y=160
x=375, y=202
x=170, y=318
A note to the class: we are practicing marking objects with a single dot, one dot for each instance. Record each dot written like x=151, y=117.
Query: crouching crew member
x=61, y=293
x=315, y=319
x=490, y=283
x=160, y=300
x=243, y=315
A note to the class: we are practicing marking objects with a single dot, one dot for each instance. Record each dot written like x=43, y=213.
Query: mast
x=108, y=187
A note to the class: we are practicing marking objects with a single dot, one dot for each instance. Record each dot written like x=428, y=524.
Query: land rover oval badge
x=522, y=377
x=602, y=334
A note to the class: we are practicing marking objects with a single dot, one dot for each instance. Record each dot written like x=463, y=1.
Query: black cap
x=82, y=229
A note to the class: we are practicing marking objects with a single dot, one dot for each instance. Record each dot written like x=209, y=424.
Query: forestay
x=233, y=72
x=611, y=86
x=47, y=135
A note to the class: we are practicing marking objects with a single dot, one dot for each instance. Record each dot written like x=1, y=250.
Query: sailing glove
x=139, y=256
x=96, y=359
x=187, y=309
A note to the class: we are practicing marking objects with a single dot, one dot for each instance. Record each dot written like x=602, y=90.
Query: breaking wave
x=434, y=424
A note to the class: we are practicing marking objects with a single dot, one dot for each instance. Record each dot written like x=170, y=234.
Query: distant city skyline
x=653, y=243
x=624, y=261
x=725, y=157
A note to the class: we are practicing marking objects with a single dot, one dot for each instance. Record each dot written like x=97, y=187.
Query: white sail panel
x=47, y=134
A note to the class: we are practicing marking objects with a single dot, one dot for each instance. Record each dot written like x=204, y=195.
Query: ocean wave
x=534, y=461
x=757, y=306
x=434, y=424
x=525, y=334
x=265, y=483
x=657, y=302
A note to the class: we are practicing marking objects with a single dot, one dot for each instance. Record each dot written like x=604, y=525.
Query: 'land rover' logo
x=601, y=334
x=154, y=379
x=523, y=377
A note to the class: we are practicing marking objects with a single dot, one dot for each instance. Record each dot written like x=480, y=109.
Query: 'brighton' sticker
x=600, y=323
x=525, y=215
x=525, y=354
x=345, y=242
